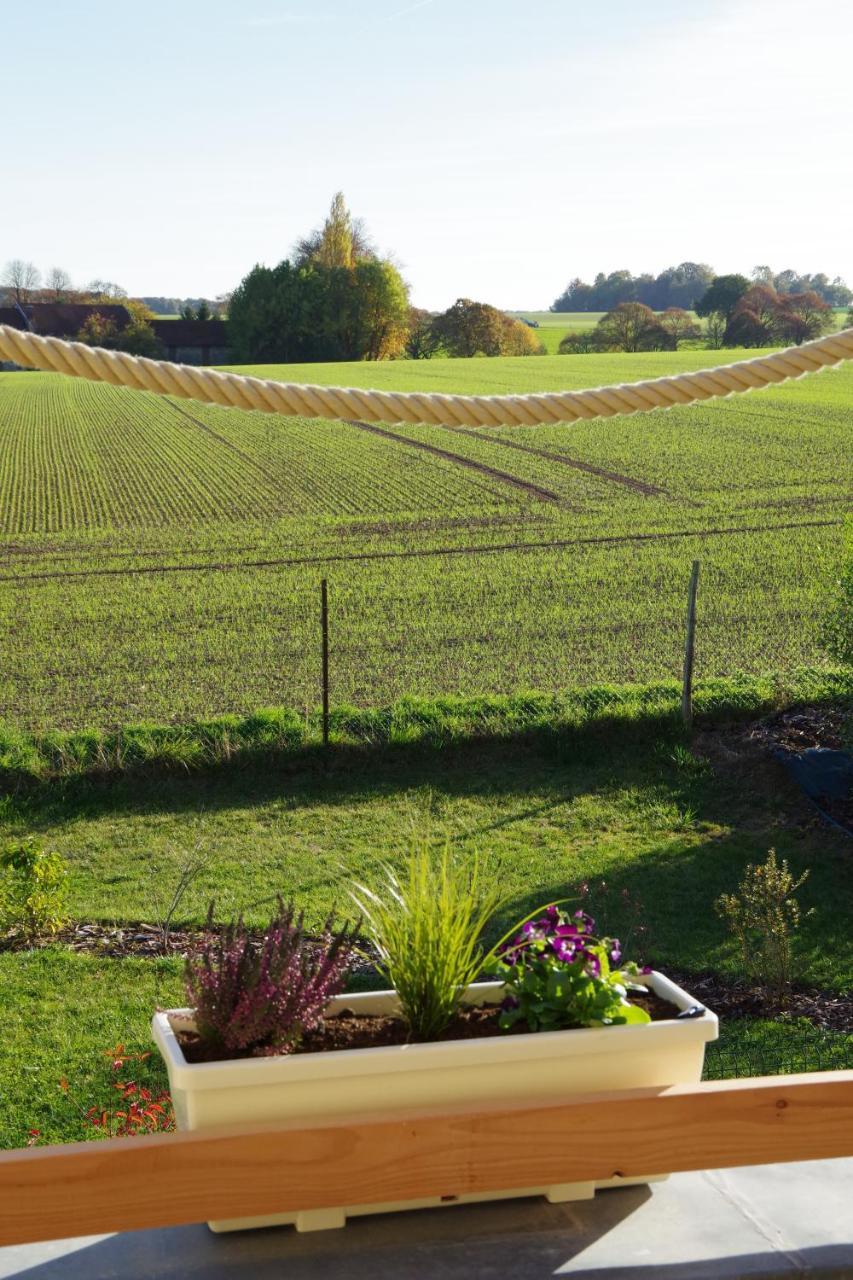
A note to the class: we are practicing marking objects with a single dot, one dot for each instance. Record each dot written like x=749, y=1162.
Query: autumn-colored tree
x=340, y=242
x=631, y=326
x=469, y=328
x=98, y=331
x=752, y=323
x=800, y=317
x=378, y=312
x=518, y=339
x=763, y=317
x=137, y=337
x=478, y=329
x=680, y=326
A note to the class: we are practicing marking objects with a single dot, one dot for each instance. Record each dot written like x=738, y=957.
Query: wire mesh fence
x=767, y=1049
x=104, y=650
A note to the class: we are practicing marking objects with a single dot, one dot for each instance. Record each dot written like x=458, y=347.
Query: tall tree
x=722, y=295
x=631, y=326
x=58, y=285
x=20, y=279
x=679, y=324
x=340, y=242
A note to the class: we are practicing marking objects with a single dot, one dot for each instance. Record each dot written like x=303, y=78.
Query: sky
x=495, y=148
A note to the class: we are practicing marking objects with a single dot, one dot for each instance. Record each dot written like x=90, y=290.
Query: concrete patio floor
x=773, y=1221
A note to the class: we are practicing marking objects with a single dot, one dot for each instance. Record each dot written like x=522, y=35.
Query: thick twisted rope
x=238, y=392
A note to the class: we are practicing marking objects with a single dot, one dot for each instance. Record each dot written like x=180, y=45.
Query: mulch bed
x=797, y=731
x=733, y=998
x=823, y=728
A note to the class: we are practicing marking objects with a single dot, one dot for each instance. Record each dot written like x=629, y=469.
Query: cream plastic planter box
x=542, y=1068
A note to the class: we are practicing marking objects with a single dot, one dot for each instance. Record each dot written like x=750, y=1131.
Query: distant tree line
x=21, y=285
x=736, y=313
x=684, y=285
x=188, y=308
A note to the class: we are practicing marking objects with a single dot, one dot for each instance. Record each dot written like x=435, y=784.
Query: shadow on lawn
x=496, y=767
x=698, y=824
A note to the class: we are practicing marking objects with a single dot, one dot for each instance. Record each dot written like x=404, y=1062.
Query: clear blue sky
x=496, y=147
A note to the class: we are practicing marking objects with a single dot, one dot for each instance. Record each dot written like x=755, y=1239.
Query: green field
x=554, y=325
x=161, y=560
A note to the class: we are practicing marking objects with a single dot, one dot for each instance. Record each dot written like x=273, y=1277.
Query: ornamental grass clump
x=558, y=974
x=426, y=924
x=261, y=996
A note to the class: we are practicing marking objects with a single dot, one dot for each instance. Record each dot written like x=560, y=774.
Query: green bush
x=32, y=891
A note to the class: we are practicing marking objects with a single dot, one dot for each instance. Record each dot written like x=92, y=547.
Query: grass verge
x=645, y=710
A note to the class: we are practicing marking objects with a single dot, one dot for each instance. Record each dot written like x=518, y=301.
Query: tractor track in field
x=601, y=473
x=483, y=468
x=418, y=552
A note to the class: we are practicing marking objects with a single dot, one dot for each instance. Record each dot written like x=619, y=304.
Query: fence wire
x=105, y=651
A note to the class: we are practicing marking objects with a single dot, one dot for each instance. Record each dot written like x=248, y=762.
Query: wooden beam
x=132, y=1183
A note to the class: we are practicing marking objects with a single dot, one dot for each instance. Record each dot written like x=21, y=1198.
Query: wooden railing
x=131, y=1183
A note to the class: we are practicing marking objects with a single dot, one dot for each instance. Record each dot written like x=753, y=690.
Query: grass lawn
x=673, y=828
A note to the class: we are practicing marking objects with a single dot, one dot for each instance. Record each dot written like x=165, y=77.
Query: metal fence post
x=689, y=649
x=324, y=626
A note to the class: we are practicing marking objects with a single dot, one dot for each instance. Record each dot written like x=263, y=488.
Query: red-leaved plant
x=251, y=997
x=138, y=1110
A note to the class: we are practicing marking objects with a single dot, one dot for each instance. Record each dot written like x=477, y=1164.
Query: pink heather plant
x=250, y=997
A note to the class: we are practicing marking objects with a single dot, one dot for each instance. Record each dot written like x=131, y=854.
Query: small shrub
x=559, y=974
x=763, y=916
x=32, y=890
x=426, y=925
x=250, y=997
